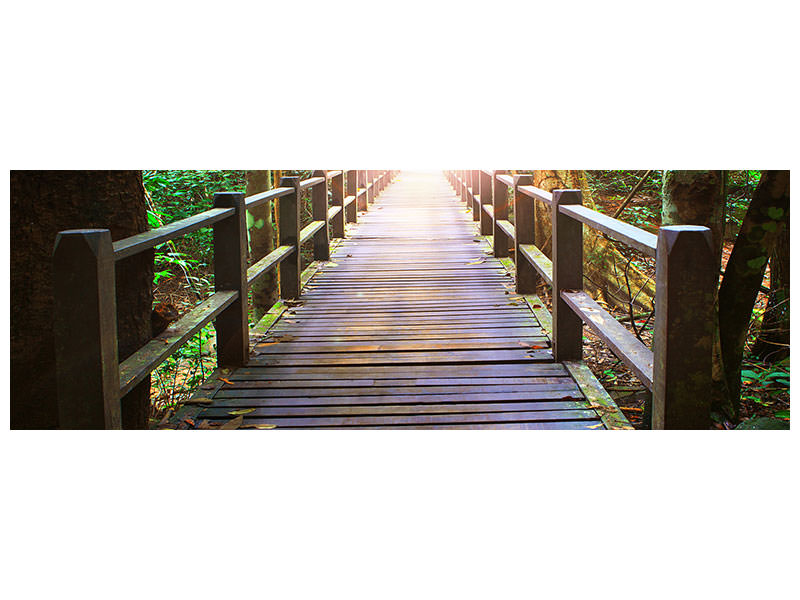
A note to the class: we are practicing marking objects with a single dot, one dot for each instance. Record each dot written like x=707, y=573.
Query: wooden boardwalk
x=413, y=324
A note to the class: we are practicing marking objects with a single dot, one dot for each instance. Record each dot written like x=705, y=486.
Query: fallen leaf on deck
x=228, y=381
x=204, y=424
x=595, y=426
x=233, y=423
x=189, y=422
x=241, y=411
x=537, y=306
x=477, y=262
x=264, y=426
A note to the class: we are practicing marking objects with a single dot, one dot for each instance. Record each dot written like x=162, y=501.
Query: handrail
x=149, y=239
x=678, y=368
x=85, y=319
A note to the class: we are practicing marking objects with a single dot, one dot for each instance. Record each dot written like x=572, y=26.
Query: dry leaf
x=204, y=424
x=537, y=306
x=228, y=381
x=595, y=426
x=189, y=422
x=241, y=411
x=477, y=262
x=263, y=426
x=233, y=423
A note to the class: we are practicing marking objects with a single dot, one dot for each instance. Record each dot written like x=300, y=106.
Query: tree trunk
x=605, y=269
x=773, y=339
x=695, y=198
x=264, y=293
x=42, y=204
x=765, y=220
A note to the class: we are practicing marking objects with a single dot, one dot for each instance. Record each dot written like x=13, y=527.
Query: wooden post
x=686, y=280
x=527, y=277
x=319, y=212
x=500, y=240
x=486, y=198
x=289, y=235
x=85, y=330
x=363, y=205
x=371, y=186
x=352, y=189
x=337, y=190
x=567, y=275
x=476, y=190
x=230, y=273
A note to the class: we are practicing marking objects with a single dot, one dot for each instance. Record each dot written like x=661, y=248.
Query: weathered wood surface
x=412, y=324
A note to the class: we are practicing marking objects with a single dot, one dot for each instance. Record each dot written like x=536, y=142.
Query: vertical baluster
x=684, y=328
x=230, y=273
x=289, y=235
x=567, y=275
x=85, y=330
x=319, y=212
x=486, y=198
x=476, y=190
x=527, y=277
x=337, y=191
x=500, y=204
x=352, y=189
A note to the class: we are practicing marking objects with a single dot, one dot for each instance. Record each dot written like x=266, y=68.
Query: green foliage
x=740, y=187
x=764, y=383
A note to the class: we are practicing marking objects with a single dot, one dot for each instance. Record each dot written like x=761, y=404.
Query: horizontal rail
x=488, y=209
x=536, y=193
x=149, y=239
x=634, y=237
x=507, y=227
x=311, y=182
x=333, y=211
x=349, y=200
x=309, y=230
x=538, y=261
x=267, y=263
x=332, y=174
x=140, y=364
x=262, y=197
x=507, y=180
x=622, y=342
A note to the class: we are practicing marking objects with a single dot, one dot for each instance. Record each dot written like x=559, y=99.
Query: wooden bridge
x=412, y=316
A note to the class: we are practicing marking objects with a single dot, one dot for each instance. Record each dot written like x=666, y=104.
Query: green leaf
x=782, y=414
x=250, y=220
x=775, y=213
x=756, y=263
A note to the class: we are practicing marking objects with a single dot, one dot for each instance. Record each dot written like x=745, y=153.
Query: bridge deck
x=413, y=324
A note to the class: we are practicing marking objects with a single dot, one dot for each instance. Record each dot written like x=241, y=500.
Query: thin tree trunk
x=764, y=221
x=773, y=339
x=264, y=293
x=42, y=204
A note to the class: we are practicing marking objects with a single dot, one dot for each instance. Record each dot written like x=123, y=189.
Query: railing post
x=289, y=235
x=500, y=240
x=567, y=275
x=476, y=190
x=684, y=328
x=371, y=187
x=230, y=273
x=319, y=212
x=486, y=198
x=361, y=199
x=527, y=277
x=351, y=211
x=337, y=191
x=85, y=330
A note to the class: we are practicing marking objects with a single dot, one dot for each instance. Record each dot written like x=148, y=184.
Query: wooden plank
x=140, y=364
x=537, y=259
x=634, y=237
x=567, y=275
x=266, y=264
x=310, y=229
x=149, y=239
x=262, y=197
x=622, y=342
x=597, y=396
x=536, y=193
x=450, y=393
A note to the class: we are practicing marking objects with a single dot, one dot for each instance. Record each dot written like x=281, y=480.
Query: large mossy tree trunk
x=695, y=198
x=607, y=273
x=773, y=338
x=263, y=293
x=763, y=223
x=42, y=204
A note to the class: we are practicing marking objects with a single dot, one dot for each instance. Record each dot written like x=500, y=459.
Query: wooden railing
x=678, y=368
x=90, y=379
